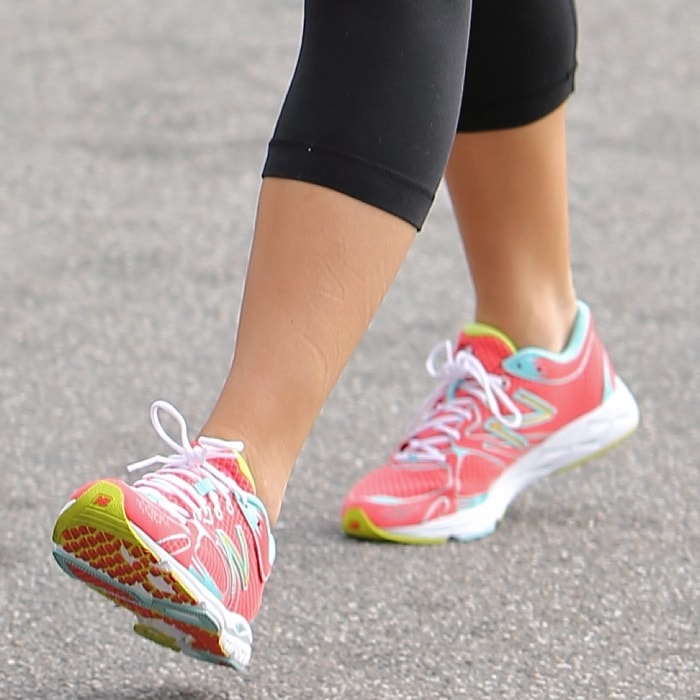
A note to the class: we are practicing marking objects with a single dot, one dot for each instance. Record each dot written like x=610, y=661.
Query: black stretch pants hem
x=350, y=175
x=515, y=112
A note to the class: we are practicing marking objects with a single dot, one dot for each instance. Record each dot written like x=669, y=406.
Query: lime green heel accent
x=245, y=470
x=480, y=330
x=101, y=506
x=356, y=524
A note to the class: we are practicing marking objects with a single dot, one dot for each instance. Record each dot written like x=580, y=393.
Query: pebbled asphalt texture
x=132, y=136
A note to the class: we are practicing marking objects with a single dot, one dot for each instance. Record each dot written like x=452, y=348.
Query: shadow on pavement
x=150, y=693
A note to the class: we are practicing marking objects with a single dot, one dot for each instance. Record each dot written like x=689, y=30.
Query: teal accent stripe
x=204, y=487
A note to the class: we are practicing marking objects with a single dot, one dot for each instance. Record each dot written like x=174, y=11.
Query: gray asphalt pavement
x=131, y=140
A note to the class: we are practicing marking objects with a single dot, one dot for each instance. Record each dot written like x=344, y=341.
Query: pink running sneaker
x=187, y=548
x=500, y=419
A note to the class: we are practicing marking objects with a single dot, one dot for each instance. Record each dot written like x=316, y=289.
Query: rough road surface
x=131, y=140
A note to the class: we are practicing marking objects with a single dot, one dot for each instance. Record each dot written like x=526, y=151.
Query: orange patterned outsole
x=95, y=543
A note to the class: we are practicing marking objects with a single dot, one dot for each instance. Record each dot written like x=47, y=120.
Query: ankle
x=542, y=324
x=270, y=484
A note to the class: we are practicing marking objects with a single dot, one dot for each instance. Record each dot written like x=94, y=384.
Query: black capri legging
x=380, y=89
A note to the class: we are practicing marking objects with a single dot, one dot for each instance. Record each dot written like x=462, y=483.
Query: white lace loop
x=186, y=454
x=442, y=417
x=172, y=478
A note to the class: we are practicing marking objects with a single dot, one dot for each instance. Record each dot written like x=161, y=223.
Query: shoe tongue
x=489, y=344
x=236, y=468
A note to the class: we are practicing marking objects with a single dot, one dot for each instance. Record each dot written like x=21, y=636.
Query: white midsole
x=584, y=437
x=236, y=634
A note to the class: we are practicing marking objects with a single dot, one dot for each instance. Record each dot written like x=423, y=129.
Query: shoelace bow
x=174, y=478
x=463, y=381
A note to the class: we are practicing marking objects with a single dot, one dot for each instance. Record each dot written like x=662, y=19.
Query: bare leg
x=320, y=265
x=509, y=192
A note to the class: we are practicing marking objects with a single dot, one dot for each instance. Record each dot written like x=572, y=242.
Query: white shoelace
x=442, y=416
x=172, y=478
